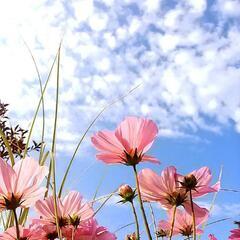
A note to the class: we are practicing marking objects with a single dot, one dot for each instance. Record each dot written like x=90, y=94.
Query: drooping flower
x=90, y=230
x=128, y=144
x=166, y=190
x=20, y=184
x=235, y=234
x=71, y=210
x=198, y=182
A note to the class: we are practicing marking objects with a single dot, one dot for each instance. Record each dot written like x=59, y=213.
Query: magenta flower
x=211, y=237
x=198, y=182
x=128, y=144
x=71, y=210
x=90, y=230
x=235, y=234
x=166, y=190
x=20, y=184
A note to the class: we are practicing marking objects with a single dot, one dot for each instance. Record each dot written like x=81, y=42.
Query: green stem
x=136, y=220
x=16, y=224
x=53, y=148
x=193, y=217
x=55, y=197
x=173, y=221
x=141, y=204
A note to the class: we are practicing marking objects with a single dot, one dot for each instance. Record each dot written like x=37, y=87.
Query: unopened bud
x=126, y=192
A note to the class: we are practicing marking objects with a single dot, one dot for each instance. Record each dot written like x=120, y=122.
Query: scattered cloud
x=185, y=55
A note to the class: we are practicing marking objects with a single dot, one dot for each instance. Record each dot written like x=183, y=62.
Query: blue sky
x=185, y=54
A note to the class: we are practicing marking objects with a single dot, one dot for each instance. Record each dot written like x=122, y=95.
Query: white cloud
x=229, y=7
x=189, y=68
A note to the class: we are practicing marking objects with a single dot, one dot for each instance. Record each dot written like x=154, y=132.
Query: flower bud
x=126, y=192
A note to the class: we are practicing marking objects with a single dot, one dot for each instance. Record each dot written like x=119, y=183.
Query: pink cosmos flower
x=211, y=237
x=128, y=144
x=235, y=234
x=183, y=223
x=71, y=210
x=20, y=184
x=10, y=234
x=90, y=230
x=164, y=229
x=41, y=231
x=166, y=190
x=198, y=182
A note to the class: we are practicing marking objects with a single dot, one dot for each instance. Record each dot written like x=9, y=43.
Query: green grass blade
x=213, y=200
x=55, y=196
x=7, y=146
x=104, y=202
x=53, y=148
x=99, y=185
x=124, y=226
x=39, y=103
x=42, y=101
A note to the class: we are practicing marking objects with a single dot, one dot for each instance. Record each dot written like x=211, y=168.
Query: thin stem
x=193, y=216
x=173, y=221
x=154, y=220
x=136, y=220
x=55, y=197
x=141, y=204
x=16, y=223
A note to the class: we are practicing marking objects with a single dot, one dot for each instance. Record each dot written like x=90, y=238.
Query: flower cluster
x=73, y=218
x=70, y=218
x=176, y=193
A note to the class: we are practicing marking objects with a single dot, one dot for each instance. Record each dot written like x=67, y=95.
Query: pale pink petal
x=73, y=206
x=147, y=158
x=45, y=209
x=199, y=211
x=137, y=133
x=7, y=178
x=154, y=187
x=107, y=142
x=33, y=176
x=110, y=158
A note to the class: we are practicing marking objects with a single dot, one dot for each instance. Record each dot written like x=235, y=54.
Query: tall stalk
x=55, y=197
x=173, y=222
x=193, y=216
x=136, y=219
x=141, y=204
x=16, y=224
